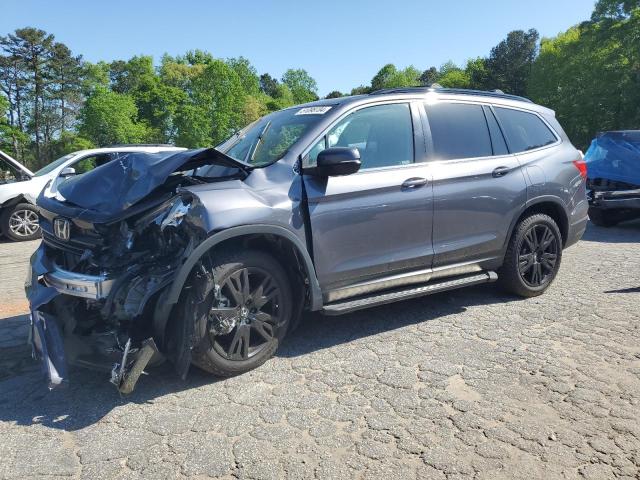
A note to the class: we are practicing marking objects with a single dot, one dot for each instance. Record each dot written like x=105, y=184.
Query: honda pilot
x=209, y=257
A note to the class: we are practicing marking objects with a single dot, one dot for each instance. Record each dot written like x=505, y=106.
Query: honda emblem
x=62, y=228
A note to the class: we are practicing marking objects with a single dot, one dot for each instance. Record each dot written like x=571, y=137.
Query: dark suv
x=210, y=256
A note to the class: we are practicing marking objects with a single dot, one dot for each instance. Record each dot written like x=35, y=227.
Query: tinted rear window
x=458, y=130
x=524, y=131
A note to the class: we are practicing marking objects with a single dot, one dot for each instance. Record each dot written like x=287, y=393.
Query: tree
x=33, y=48
x=590, y=75
x=454, y=78
x=361, y=90
x=268, y=85
x=11, y=138
x=282, y=98
x=429, y=77
x=334, y=94
x=110, y=117
x=478, y=74
x=247, y=74
x=302, y=85
x=510, y=62
x=614, y=9
x=65, y=78
x=390, y=77
x=218, y=91
x=383, y=78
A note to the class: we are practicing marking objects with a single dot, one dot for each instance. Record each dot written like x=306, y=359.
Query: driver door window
x=383, y=134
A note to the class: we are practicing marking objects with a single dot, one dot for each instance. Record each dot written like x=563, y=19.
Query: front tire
x=241, y=324
x=20, y=222
x=533, y=256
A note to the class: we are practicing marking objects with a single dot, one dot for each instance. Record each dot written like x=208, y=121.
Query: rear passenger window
x=524, y=131
x=458, y=130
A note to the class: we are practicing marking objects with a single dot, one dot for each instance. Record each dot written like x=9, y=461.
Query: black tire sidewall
x=509, y=274
x=6, y=215
x=225, y=264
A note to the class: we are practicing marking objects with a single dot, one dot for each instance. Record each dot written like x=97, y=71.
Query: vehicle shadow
x=24, y=399
x=626, y=232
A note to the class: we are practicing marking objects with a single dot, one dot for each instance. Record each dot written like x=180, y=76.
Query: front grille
x=65, y=246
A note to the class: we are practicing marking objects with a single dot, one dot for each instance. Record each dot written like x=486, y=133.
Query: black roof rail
x=457, y=91
x=120, y=145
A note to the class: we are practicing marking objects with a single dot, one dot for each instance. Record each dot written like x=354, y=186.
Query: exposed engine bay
x=105, y=261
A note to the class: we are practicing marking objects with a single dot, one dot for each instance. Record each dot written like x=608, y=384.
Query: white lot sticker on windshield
x=313, y=111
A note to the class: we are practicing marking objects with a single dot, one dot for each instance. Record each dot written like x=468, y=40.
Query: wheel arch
x=262, y=235
x=551, y=206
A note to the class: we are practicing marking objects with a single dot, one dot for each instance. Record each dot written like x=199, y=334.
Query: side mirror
x=68, y=172
x=336, y=161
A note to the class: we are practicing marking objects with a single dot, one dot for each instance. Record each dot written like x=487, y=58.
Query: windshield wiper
x=252, y=152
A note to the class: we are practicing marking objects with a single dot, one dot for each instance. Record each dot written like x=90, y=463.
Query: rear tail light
x=581, y=165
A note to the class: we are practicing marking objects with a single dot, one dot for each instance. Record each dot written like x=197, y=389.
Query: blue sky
x=342, y=44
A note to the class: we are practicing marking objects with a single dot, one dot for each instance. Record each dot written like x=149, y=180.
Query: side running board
x=347, y=306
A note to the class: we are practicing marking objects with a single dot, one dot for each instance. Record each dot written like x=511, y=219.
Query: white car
x=19, y=187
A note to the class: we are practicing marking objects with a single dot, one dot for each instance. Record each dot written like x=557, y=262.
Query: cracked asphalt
x=466, y=384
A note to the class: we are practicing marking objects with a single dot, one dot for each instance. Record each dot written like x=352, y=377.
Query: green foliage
x=361, y=90
x=451, y=76
x=390, y=77
x=334, y=94
x=268, y=85
x=283, y=98
x=69, y=142
x=590, y=75
x=303, y=87
x=510, y=62
x=429, y=77
x=614, y=9
x=247, y=74
x=109, y=117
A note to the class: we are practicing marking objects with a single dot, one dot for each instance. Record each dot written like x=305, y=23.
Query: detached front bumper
x=94, y=287
x=46, y=340
x=53, y=337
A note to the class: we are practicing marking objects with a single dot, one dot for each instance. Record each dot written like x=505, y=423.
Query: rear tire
x=533, y=256
x=20, y=222
x=245, y=325
x=603, y=218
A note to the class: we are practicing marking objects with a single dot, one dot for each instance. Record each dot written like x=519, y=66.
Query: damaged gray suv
x=209, y=257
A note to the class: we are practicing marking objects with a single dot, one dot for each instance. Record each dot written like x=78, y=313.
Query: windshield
x=53, y=165
x=267, y=140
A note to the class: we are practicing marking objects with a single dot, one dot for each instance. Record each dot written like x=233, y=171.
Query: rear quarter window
x=524, y=131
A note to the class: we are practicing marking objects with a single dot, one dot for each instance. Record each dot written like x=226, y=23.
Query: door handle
x=414, y=182
x=500, y=172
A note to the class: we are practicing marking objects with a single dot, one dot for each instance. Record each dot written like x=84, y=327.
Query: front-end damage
x=97, y=281
x=92, y=301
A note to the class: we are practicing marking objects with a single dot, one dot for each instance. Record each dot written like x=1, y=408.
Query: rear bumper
x=618, y=199
x=620, y=203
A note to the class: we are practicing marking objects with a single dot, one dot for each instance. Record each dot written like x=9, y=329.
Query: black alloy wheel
x=533, y=256
x=538, y=255
x=244, y=312
x=253, y=298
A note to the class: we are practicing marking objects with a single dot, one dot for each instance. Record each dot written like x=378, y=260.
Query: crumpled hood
x=615, y=156
x=108, y=190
